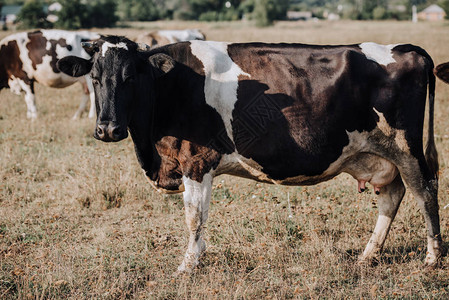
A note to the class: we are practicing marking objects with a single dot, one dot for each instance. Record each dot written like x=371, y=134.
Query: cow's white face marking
x=106, y=46
x=379, y=53
x=222, y=76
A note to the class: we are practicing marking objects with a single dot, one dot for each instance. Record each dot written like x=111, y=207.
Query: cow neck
x=141, y=129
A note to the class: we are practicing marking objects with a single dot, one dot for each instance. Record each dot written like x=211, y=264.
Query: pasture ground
x=78, y=219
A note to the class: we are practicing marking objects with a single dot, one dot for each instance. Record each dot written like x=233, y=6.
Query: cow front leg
x=196, y=201
x=90, y=87
x=389, y=200
x=30, y=99
x=88, y=94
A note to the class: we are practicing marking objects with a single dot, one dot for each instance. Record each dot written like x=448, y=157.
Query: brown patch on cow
x=10, y=64
x=442, y=72
x=181, y=157
x=37, y=49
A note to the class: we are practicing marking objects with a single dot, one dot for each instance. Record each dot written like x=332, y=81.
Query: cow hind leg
x=425, y=189
x=196, y=201
x=83, y=103
x=388, y=204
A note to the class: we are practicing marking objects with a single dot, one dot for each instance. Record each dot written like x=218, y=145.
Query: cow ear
x=74, y=66
x=442, y=71
x=162, y=63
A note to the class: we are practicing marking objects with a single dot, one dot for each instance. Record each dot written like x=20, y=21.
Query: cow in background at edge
x=29, y=57
x=165, y=37
x=288, y=114
x=442, y=71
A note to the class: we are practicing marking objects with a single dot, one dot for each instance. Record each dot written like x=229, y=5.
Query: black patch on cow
x=292, y=114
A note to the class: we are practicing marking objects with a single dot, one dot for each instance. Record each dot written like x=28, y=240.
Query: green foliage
x=445, y=5
x=102, y=14
x=32, y=15
x=266, y=11
x=138, y=10
x=75, y=14
x=379, y=13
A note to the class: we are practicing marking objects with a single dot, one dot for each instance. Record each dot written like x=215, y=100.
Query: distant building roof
x=433, y=9
x=10, y=10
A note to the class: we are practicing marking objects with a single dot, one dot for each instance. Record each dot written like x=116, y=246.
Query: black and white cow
x=288, y=114
x=27, y=57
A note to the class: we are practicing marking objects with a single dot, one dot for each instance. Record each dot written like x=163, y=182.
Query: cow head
x=121, y=71
x=442, y=71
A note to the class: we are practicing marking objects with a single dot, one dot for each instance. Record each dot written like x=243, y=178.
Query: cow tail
x=431, y=153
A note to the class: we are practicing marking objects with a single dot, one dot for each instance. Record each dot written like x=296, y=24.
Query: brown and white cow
x=288, y=114
x=29, y=57
x=165, y=37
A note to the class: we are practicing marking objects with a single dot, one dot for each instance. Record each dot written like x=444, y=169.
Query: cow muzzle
x=110, y=132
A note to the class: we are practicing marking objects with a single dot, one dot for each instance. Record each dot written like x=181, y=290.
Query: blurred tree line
x=105, y=13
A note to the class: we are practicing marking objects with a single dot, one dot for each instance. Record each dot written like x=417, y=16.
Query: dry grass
x=78, y=219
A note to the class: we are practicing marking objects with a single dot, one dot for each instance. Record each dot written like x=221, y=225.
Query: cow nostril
x=101, y=131
x=115, y=132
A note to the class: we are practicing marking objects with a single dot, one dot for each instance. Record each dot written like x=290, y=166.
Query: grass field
x=78, y=219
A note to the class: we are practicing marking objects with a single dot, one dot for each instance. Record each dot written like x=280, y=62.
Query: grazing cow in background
x=288, y=114
x=27, y=57
x=442, y=71
x=164, y=37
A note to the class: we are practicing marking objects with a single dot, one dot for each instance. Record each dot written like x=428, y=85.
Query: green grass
x=79, y=220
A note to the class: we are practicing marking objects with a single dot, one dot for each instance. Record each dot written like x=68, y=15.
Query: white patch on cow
x=106, y=46
x=381, y=54
x=222, y=74
x=29, y=99
x=196, y=202
x=14, y=85
x=181, y=35
x=386, y=129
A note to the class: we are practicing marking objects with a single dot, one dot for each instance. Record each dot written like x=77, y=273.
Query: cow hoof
x=185, y=269
x=32, y=116
x=367, y=261
x=432, y=261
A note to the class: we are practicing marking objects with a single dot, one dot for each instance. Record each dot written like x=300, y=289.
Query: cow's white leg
x=90, y=87
x=30, y=99
x=196, y=201
x=389, y=200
